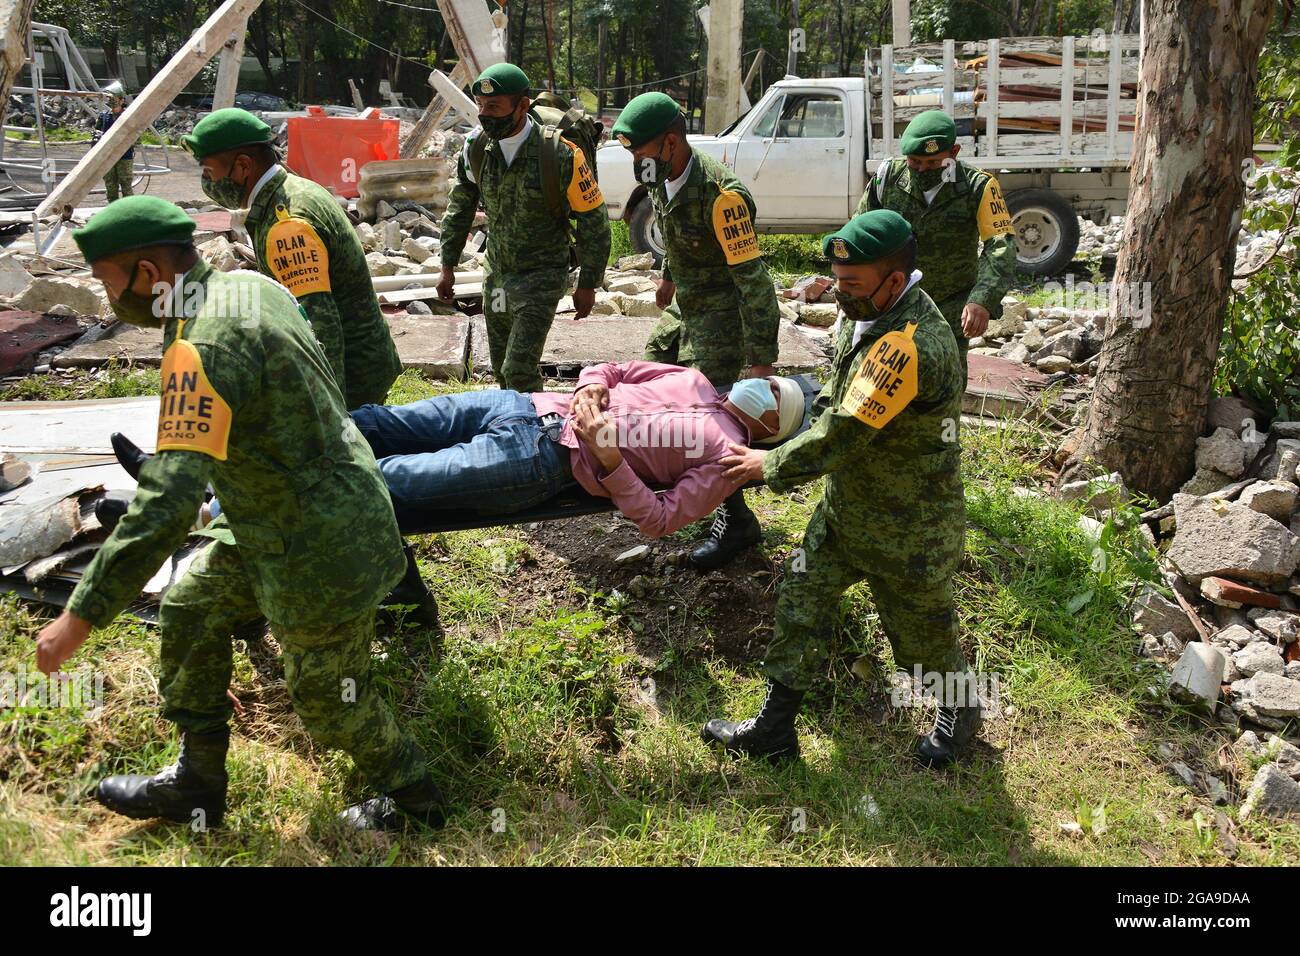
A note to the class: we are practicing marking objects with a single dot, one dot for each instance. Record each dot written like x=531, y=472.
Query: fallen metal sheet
x=37, y=571
x=38, y=529
x=24, y=334
x=77, y=428
x=56, y=594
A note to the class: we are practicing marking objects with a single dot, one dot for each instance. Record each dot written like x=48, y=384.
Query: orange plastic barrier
x=331, y=150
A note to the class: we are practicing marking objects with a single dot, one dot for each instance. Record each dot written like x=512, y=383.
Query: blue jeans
x=485, y=451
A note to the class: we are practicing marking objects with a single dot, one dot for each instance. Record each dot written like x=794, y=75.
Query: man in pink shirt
x=626, y=429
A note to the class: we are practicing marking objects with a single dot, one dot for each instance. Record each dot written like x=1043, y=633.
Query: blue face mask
x=753, y=396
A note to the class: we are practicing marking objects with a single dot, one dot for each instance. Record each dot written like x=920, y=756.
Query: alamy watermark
x=73, y=690
x=947, y=689
x=1130, y=300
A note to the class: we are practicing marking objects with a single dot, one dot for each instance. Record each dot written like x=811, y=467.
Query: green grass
x=112, y=381
x=539, y=726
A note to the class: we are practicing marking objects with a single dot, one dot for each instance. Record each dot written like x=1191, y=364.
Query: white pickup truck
x=1053, y=117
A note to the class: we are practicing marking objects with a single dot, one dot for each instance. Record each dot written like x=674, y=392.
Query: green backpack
x=575, y=125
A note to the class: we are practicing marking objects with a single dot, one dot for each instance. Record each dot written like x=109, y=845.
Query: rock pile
x=1226, y=622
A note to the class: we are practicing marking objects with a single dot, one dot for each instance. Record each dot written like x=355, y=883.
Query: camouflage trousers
x=712, y=344
x=519, y=309
x=117, y=181
x=951, y=309
x=327, y=670
x=912, y=593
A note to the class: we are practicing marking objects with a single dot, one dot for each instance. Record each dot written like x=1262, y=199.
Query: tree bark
x=1151, y=397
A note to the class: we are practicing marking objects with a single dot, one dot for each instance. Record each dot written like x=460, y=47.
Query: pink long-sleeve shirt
x=671, y=428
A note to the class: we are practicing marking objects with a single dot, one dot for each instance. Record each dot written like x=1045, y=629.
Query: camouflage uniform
x=307, y=538
x=948, y=232
x=117, y=181
x=295, y=224
x=893, y=512
x=724, y=316
x=527, y=269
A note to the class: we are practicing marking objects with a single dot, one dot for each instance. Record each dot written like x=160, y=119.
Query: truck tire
x=643, y=231
x=1047, y=231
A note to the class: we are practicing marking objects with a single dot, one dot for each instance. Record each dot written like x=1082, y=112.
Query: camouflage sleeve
x=871, y=196
x=165, y=505
x=760, y=317
x=587, y=206
x=327, y=324
x=462, y=203
x=834, y=439
x=997, y=262
x=997, y=267
x=167, y=499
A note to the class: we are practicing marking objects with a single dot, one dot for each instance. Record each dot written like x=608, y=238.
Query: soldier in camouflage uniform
x=250, y=406
x=304, y=241
x=952, y=208
x=527, y=269
x=721, y=314
x=885, y=436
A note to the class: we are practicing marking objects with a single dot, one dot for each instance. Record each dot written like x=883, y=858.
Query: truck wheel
x=1047, y=231
x=644, y=231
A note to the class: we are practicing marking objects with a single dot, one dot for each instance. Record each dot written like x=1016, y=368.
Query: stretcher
x=570, y=503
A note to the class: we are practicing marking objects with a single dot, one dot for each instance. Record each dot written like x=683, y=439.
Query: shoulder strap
x=549, y=157
x=477, y=150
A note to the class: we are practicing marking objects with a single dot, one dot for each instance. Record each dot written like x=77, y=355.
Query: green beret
x=931, y=132
x=644, y=118
x=501, y=79
x=868, y=237
x=223, y=130
x=133, y=222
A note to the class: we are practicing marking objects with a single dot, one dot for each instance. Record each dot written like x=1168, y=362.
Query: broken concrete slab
x=23, y=335
x=436, y=345
x=1275, y=498
x=1198, y=674
x=1280, y=626
x=1271, y=695
x=1231, y=413
x=1156, y=615
x=121, y=342
x=85, y=296
x=1258, y=657
x=1272, y=794
x=1228, y=539
x=999, y=388
x=1223, y=452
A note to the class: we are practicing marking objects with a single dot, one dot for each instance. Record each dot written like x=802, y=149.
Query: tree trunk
x=1196, y=95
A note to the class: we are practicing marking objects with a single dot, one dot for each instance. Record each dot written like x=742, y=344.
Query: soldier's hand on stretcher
x=446, y=283
x=743, y=464
x=583, y=300
x=599, y=436
x=664, y=293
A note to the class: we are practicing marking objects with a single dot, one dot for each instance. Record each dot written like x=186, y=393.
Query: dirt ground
x=180, y=184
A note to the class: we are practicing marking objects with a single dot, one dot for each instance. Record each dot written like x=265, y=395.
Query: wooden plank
x=949, y=76
x=1084, y=75
x=887, y=99
x=905, y=82
x=907, y=113
x=1052, y=109
x=991, y=119
x=1049, y=144
x=1112, y=99
x=232, y=54
x=1067, y=94
x=157, y=95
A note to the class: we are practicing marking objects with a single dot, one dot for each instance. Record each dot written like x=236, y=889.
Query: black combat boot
x=953, y=729
x=412, y=590
x=196, y=781
x=422, y=801
x=734, y=529
x=129, y=456
x=109, y=511
x=770, y=735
